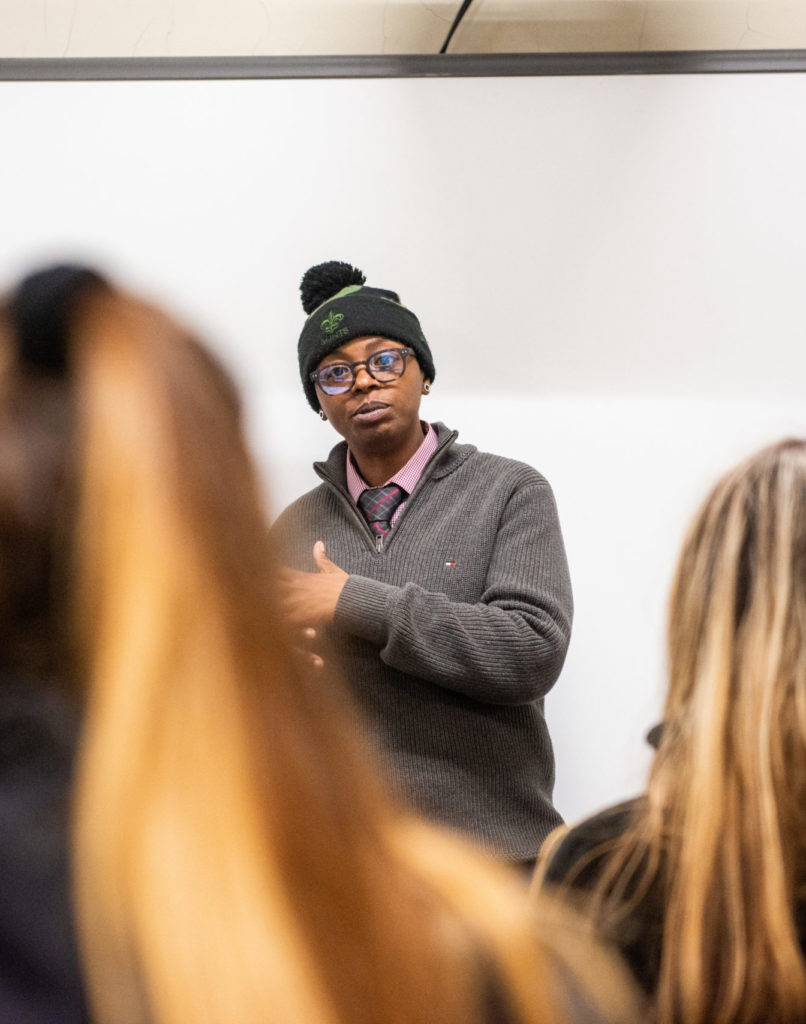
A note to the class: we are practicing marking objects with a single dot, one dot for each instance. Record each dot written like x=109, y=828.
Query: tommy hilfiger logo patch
x=450, y=565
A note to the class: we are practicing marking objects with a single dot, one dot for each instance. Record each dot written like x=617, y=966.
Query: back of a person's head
x=717, y=846
x=737, y=611
x=135, y=569
x=729, y=781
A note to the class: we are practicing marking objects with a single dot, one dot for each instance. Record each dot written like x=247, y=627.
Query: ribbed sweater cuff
x=363, y=608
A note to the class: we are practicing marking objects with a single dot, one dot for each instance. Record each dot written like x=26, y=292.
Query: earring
x=427, y=388
x=322, y=416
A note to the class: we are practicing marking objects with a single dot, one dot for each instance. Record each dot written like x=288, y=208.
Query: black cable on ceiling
x=459, y=15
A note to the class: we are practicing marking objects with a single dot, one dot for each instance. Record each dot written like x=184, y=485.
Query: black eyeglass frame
x=404, y=353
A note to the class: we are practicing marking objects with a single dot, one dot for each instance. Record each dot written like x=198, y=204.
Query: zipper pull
x=379, y=544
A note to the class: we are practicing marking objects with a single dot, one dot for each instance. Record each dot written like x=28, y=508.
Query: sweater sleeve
x=509, y=647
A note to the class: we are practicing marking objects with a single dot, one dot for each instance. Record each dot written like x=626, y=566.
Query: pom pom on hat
x=325, y=280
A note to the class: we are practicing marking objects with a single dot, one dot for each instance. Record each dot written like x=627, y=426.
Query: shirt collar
x=406, y=477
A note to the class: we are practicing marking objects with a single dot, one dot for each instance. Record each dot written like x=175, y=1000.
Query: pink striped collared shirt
x=406, y=477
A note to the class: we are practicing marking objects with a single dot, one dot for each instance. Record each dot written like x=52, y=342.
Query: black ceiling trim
x=475, y=65
x=456, y=23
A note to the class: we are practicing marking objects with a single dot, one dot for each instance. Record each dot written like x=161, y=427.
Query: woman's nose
x=364, y=379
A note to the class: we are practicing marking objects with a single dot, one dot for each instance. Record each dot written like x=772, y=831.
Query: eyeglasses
x=384, y=366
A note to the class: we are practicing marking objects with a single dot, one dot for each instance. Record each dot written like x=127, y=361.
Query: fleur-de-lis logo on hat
x=332, y=322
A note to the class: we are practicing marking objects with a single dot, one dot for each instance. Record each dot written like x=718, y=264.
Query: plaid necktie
x=378, y=505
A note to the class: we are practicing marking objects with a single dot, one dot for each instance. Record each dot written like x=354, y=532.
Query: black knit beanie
x=341, y=308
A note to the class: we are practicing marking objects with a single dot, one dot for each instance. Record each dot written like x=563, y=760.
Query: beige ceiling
x=566, y=25
x=165, y=28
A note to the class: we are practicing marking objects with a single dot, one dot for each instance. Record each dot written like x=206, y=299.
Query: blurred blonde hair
x=236, y=858
x=723, y=826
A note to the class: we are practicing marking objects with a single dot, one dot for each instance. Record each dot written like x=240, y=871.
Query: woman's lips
x=370, y=412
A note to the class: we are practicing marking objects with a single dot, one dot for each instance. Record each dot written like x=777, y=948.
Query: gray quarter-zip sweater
x=452, y=634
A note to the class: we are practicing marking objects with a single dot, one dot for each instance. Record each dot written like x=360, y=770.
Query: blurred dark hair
x=37, y=471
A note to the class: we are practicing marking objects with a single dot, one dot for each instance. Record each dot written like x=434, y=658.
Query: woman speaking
x=434, y=574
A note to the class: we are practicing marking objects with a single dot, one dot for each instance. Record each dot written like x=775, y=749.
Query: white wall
x=609, y=271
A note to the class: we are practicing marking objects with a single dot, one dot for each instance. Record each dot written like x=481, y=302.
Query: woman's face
x=375, y=418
